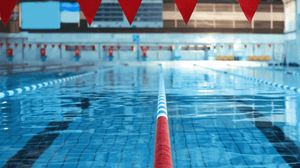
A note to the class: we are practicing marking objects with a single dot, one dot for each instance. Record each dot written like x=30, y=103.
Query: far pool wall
x=54, y=55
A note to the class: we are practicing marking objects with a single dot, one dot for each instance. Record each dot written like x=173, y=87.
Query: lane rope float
x=162, y=153
x=273, y=84
x=276, y=71
x=45, y=84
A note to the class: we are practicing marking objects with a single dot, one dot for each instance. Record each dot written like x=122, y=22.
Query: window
x=205, y=23
x=169, y=23
x=204, y=7
x=224, y=24
x=242, y=24
x=224, y=7
x=169, y=7
x=262, y=24
x=181, y=24
x=278, y=24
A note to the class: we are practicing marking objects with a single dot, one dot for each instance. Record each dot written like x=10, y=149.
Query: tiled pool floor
x=108, y=120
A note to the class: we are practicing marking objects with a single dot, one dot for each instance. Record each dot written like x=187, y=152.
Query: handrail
x=162, y=153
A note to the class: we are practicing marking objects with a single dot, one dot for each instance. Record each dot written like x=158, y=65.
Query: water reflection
x=214, y=125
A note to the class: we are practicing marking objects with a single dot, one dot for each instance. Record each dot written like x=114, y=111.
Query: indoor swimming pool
x=108, y=119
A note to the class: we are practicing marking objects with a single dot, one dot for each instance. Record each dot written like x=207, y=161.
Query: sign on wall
x=40, y=15
x=70, y=12
x=136, y=38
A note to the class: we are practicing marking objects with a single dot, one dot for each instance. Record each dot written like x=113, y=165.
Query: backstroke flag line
x=130, y=8
x=6, y=9
x=186, y=8
x=249, y=8
x=89, y=9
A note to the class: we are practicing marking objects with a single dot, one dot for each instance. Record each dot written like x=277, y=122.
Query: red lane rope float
x=162, y=153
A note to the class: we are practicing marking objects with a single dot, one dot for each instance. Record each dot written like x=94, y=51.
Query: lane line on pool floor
x=45, y=84
x=162, y=149
x=273, y=84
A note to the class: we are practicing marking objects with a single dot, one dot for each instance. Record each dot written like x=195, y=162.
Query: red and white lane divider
x=45, y=84
x=162, y=153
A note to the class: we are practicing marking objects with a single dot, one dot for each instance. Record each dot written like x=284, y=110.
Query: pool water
x=108, y=119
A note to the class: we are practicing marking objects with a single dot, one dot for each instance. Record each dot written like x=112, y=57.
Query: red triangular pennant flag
x=1, y=44
x=89, y=9
x=38, y=45
x=45, y=45
x=7, y=44
x=6, y=9
x=53, y=45
x=24, y=45
x=30, y=45
x=16, y=44
x=130, y=8
x=59, y=46
x=186, y=8
x=249, y=8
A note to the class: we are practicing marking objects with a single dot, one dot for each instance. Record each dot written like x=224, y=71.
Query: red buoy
x=162, y=151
